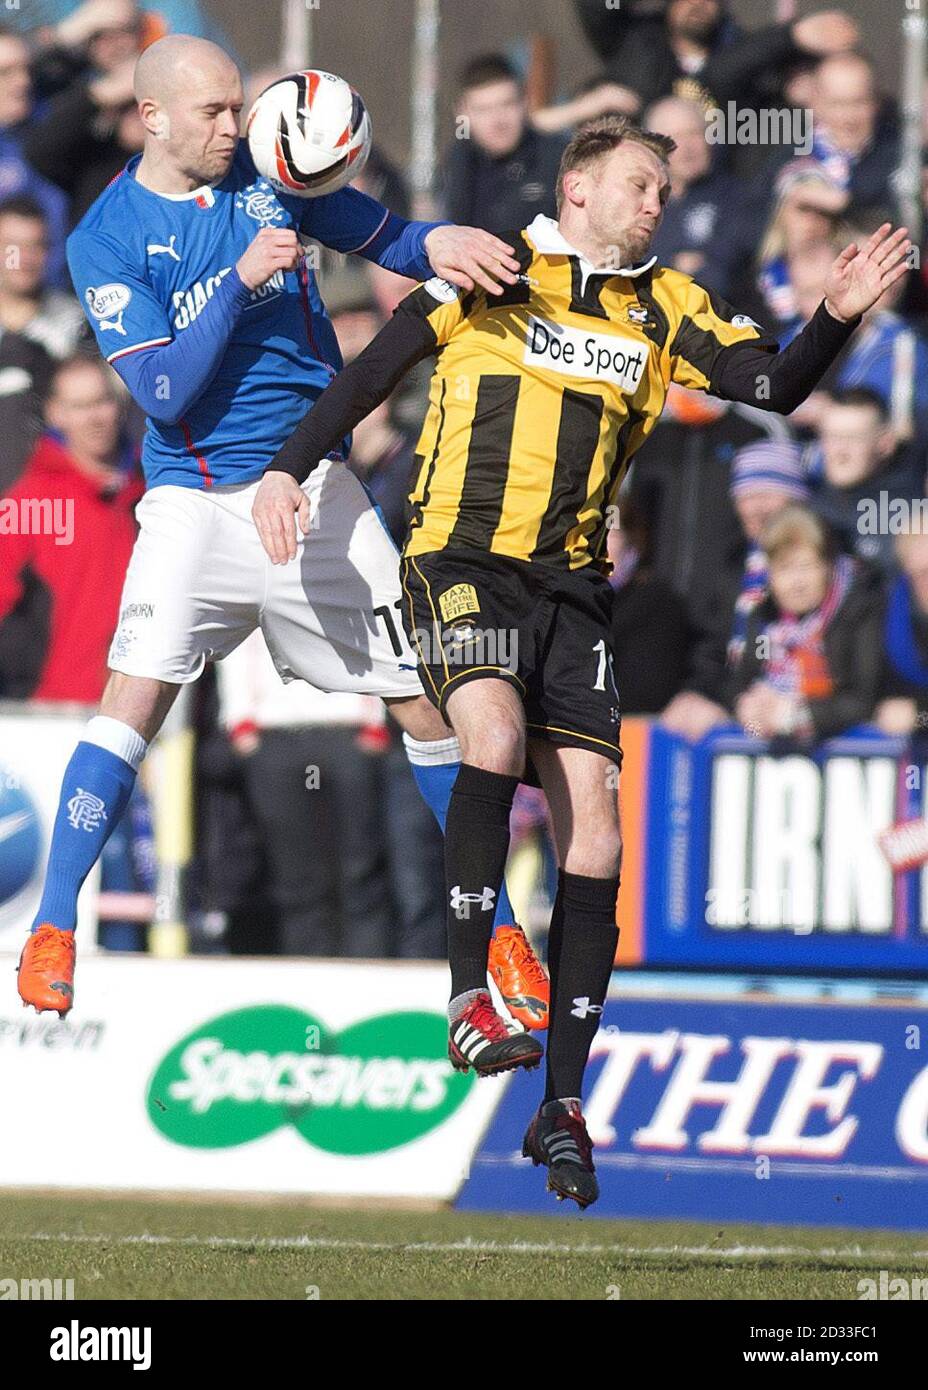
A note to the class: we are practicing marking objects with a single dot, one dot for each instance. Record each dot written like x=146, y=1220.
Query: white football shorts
x=199, y=581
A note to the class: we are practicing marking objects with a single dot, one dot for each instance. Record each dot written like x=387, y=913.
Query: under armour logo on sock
x=86, y=811
x=460, y=902
x=584, y=1007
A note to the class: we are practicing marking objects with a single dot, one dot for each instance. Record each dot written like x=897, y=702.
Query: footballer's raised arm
x=726, y=354
x=351, y=222
x=757, y=373
x=781, y=381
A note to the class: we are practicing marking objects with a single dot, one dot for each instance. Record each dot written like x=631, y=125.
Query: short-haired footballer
x=538, y=401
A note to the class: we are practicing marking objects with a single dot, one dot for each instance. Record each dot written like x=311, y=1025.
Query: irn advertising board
x=743, y=857
x=739, y=1110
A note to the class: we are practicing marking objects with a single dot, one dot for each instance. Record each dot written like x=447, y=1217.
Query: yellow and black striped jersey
x=541, y=395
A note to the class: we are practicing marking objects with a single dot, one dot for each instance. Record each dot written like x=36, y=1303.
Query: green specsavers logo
x=376, y=1085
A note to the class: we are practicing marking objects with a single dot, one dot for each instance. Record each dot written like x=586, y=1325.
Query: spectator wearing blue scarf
x=810, y=667
x=766, y=477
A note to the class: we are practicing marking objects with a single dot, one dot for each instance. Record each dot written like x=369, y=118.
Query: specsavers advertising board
x=240, y=1075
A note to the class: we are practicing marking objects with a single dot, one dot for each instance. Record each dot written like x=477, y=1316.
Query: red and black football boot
x=557, y=1138
x=480, y=1039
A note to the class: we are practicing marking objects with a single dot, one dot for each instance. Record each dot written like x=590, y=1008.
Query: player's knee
x=138, y=701
x=418, y=718
x=595, y=852
x=499, y=747
x=606, y=854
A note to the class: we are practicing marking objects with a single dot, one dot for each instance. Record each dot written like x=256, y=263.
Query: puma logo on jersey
x=154, y=249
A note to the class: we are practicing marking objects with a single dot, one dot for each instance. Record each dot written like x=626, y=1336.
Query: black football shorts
x=470, y=615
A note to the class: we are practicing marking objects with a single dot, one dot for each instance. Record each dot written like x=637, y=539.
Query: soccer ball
x=309, y=134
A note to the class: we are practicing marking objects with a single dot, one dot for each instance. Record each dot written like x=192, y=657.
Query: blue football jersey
x=145, y=265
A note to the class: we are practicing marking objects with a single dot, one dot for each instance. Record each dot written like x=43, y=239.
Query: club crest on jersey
x=259, y=202
x=108, y=303
x=637, y=314
x=458, y=600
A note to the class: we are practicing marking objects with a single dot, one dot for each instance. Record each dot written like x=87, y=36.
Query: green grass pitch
x=147, y=1247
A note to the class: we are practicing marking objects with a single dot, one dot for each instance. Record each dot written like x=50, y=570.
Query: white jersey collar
x=204, y=193
x=550, y=241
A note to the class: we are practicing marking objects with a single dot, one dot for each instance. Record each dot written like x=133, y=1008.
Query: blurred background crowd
x=768, y=573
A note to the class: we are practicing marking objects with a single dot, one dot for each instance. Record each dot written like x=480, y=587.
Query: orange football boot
x=520, y=977
x=46, y=970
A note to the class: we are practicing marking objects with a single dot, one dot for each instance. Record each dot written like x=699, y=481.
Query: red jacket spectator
x=76, y=537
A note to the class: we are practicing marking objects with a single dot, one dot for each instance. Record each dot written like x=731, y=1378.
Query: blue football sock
x=435, y=767
x=94, y=792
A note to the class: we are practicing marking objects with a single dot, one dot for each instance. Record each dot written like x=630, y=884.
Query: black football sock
x=476, y=845
x=589, y=936
x=555, y=943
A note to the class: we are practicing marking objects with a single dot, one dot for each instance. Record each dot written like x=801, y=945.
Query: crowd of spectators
x=759, y=581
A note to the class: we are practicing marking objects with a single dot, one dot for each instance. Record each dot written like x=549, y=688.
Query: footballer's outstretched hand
x=278, y=500
x=862, y=273
x=273, y=249
x=467, y=256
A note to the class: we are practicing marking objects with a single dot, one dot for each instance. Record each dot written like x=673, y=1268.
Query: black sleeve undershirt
x=357, y=390
x=781, y=381
x=777, y=381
